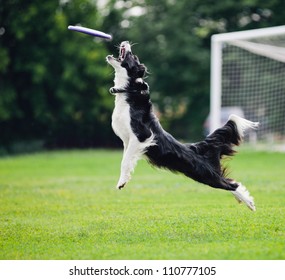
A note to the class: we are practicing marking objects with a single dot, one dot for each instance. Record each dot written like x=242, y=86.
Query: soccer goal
x=248, y=76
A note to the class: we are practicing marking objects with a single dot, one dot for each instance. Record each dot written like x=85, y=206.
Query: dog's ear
x=141, y=67
x=141, y=70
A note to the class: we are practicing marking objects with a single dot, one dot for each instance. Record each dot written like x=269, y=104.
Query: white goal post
x=248, y=73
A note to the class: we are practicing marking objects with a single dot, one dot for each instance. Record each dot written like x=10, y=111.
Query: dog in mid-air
x=134, y=121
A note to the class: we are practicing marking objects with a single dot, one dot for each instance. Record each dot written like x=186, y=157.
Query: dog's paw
x=241, y=194
x=120, y=186
x=112, y=90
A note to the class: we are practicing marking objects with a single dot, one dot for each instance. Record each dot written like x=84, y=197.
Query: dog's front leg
x=132, y=153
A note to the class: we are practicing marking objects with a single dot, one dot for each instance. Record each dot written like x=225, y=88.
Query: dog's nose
x=124, y=43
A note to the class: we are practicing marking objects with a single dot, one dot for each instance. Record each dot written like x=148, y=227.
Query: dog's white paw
x=241, y=194
x=112, y=90
x=124, y=179
x=120, y=185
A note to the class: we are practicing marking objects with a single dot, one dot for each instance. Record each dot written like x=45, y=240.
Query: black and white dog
x=135, y=123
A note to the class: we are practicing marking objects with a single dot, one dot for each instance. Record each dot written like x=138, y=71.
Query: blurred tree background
x=54, y=83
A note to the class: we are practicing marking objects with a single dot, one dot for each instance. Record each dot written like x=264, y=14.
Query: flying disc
x=90, y=31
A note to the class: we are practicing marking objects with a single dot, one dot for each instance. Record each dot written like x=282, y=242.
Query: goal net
x=248, y=77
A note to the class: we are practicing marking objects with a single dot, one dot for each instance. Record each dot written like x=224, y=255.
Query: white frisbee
x=90, y=31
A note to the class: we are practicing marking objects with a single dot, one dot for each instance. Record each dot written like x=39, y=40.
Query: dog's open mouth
x=122, y=54
x=125, y=47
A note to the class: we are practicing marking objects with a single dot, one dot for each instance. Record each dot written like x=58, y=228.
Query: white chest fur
x=121, y=78
x=121, y=121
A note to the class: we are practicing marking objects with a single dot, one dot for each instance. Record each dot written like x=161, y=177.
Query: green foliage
x=54, y=82
x=64, y=205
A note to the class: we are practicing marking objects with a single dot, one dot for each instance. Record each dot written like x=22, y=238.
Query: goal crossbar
x=254, y=33
x=273, y=52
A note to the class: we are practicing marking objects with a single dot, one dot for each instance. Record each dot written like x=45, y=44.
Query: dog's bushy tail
x=219, y=144
x=231, y=134
x=242, y=125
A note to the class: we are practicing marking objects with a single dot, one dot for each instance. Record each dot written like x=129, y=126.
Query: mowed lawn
x=64, y=205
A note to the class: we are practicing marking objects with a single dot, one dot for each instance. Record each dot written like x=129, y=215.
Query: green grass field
x=64, y=205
